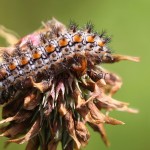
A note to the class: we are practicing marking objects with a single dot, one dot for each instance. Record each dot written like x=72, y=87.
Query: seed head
x=57, y=106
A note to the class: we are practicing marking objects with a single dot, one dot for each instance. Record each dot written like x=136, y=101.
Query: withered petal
x=8, y=35
x=95, y=113
x=32, y=100
x=82, y=133
x=60, y=89
x=41, y=86
x=69, y=122
x=19, y=117
x=15, y=129
x=117, y=58
x=100, y=128
x=52, y=145
x=30, y=134
x=112, y=121
x=33, y=143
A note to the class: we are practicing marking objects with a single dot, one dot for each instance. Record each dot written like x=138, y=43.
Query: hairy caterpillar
x=49, y=53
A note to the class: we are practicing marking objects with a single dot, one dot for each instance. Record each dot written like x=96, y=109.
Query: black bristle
x=29, y=44
x=43, y=38
x=107, y=39
x=73, y=26
x=17, y=50
x=56, y=31
x=89, y=27
x=6, y=56
x=102, y=34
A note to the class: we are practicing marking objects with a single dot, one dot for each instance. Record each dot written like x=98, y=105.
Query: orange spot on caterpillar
x=90, y=39
x=24, y=61
x=36, y=55
x=77, y=38
x=63, y=42
x=49, y=48
x=101, y=43
x=12, y=66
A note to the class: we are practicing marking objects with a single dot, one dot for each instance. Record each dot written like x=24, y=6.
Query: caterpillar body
x=46, y=53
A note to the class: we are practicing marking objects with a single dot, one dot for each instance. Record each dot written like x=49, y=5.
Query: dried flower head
x=52, y=85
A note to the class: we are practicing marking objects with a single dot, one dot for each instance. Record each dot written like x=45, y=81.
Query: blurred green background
x=128, y=21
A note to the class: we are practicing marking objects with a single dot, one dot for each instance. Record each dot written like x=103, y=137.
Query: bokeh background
x=128, y=21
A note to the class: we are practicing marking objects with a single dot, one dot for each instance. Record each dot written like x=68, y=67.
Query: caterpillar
x=43, y=55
